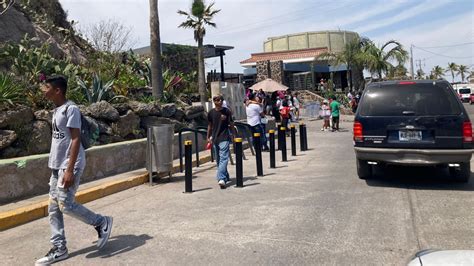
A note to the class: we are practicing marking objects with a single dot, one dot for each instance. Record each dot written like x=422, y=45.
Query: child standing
x=326, y=114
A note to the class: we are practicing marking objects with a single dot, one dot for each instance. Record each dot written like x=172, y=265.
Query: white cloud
x=422, y=7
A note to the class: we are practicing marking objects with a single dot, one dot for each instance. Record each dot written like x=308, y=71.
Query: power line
x=443, y=46
x=448, y=56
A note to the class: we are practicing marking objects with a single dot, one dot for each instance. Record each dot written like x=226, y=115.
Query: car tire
x=462, y=174
x=364, y=170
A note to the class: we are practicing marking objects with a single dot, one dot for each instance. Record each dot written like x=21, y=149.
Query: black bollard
x=293, y=140
x=283, y=144
x=239, y=172
x=301, y=137
x=280, y=136
x=258, y=153
x=271, y=134
x=305, y=134
x=188, y=166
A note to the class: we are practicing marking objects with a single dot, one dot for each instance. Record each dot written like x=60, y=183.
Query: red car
x=471, y=98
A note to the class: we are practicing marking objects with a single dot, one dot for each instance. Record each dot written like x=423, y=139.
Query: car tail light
x=406, y=82
x=467, y=131
x=358, y=136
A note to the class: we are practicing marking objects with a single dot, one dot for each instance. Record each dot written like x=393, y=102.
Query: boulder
x=168, y=110
x=7, y=137
x=103, y=111
x=153, y=120
x=9, y=152
x=143, y=109
x=104, y=128
x=13, y=118
x=40, y=139
x=44, y=115
x=122, y=108
x=106, y=139
x=193, y=111
x=179, y=115
x=127, y=125
x=84, y=110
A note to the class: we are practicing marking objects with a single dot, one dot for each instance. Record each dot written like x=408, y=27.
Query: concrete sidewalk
x=30, y=209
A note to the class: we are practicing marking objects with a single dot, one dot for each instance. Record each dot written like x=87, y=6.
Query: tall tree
x=437, y=72
x=199, y=16
x=350, y=56
x=452, y=67
x=420, y=74
x=378, y=59
x=155, y=46
x=463, y=71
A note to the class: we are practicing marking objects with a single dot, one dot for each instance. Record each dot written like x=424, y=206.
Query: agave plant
x=99, y=90
x=10, y=91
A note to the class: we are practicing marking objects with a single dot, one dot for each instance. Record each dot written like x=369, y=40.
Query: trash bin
x=159, y=154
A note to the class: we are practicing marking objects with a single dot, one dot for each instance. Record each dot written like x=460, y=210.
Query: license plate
x=409, y=135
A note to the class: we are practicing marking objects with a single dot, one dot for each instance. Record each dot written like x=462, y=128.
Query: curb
x=37, y=210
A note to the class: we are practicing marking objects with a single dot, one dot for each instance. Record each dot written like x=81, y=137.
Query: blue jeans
x=61, y=201
x=222, y=158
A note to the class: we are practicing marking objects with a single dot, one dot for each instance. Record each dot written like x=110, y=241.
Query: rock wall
x=29, y=176
x=24, y=132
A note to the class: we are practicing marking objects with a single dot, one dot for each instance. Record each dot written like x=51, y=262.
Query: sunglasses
x=216, y=99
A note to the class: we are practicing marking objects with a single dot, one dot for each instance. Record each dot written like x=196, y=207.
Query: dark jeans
x=263, y=138
x=335, y=122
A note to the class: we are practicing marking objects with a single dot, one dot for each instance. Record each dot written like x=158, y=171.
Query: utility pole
x=418, y=64
x=411, y=63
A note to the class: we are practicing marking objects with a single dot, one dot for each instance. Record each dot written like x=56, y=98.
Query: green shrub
x=11, y=92
x=98, y=90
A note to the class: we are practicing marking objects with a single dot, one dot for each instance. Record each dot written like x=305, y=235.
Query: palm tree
x=155, y=46
x=350, y=56
x=377, y=59
x=437, y=72
x=452, y=67
x=420, y=74
x=199, y=17
x=463, y=71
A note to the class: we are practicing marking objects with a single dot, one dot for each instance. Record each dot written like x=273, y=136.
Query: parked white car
x=443, y=257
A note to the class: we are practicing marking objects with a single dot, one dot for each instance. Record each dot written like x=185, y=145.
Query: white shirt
x=253, y=111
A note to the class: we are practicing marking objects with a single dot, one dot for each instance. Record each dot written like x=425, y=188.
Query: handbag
x=264, y=120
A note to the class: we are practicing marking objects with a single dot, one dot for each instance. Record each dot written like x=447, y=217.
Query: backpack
x=285, y=112
x=88, y=137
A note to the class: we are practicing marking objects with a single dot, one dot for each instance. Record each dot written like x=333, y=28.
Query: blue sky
x=245, y=24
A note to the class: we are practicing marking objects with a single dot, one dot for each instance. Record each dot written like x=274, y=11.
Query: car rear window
x=412, y=99
x=465, y=91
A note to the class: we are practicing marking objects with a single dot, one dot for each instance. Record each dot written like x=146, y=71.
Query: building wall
x=333, y=40
x=234, y=94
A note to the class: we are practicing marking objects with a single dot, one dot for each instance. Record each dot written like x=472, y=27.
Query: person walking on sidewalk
x=67, y=161
x=255, y=113
x=335, y=105
x=218, y=134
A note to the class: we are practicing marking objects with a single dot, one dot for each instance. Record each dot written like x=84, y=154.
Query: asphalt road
x=312, y=210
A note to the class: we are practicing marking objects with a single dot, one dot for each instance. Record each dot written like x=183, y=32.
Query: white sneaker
x=104, y=231
x=221, y=183
x=54, y=255
x=322, y=129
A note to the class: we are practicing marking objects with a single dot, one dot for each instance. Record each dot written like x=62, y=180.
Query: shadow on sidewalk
x=418, y=178
x=115, y=246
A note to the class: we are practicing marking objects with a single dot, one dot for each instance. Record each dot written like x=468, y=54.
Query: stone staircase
x=306, y=96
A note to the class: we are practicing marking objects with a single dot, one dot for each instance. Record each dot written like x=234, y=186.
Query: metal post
x=188, y=165
x=280, y=136
x=180, y=150
x=196, y=145
x=301, y=137
x=239, y=175
x=271, y=134
x=283, y=144
x=293, y=140
x=258, y=153
x=305, y=138
x=150, y=152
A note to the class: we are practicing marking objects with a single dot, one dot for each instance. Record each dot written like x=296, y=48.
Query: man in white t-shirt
x=255, y=113
x=67, y=161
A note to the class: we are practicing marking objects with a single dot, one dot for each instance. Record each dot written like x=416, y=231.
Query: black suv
x=412, y=123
